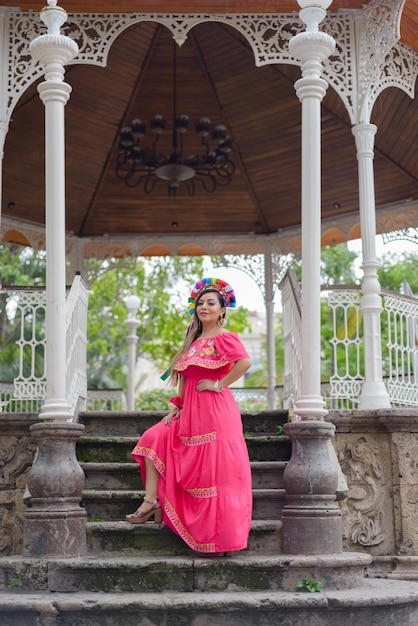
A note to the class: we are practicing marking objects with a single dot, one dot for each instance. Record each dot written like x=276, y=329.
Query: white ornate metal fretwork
x=368, y=57
x=406, y=234
x=254, y=266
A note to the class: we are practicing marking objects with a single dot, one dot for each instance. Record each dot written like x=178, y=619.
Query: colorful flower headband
x=212, y=284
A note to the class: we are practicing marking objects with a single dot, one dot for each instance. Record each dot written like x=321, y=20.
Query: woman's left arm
x=238, y=369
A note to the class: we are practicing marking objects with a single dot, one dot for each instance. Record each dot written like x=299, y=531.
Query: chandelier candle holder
x=138, y=164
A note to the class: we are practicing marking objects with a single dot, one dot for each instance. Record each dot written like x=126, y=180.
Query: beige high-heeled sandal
x=140, y=517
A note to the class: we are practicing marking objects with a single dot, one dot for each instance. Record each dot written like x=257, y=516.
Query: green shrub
x=154, y=400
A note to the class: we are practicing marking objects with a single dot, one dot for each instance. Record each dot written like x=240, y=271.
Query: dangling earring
x=220, y=320
x=199, y=327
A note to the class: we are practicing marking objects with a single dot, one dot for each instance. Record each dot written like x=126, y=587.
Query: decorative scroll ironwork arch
x=393, y=64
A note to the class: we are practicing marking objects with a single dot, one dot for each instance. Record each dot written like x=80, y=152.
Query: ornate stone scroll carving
x=16, y=453
x=405, y=477
x=363, y=511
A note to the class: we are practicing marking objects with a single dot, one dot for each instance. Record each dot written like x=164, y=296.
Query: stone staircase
x=144, y=575
x=113, y=486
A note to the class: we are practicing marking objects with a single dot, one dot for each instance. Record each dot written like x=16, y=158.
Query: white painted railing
x=401, y=354
x=290, y=289
x=346, y=377
x=29, y=386
x=342, y=389
x=76, y=344
x=30, y=306
x=106, y=400
x=10, y=404
x=399, y=326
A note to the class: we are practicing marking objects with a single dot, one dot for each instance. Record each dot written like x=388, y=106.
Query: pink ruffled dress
x=202, y=458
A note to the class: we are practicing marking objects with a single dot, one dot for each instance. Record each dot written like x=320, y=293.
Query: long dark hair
x=193, y=332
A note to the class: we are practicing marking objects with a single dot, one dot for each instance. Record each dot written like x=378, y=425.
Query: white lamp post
x=132, y=304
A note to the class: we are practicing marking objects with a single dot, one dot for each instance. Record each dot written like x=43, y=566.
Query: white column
x=271, y=344
x=311, y=47
x=132, y=304
x=3, y=132
x=311, y=519
x=374, y=394
x=55, y=50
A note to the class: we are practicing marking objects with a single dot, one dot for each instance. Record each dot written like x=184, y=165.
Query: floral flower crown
x=212, y=284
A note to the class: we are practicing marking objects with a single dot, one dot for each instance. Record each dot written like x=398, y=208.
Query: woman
x=194, y=463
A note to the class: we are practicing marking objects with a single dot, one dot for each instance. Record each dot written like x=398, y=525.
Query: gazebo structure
x=315, y=144
x=236, y=69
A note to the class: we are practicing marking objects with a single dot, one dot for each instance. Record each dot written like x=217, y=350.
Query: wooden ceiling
x=217, y=78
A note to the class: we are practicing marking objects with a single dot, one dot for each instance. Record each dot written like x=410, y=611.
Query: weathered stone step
x=113, y=505
x=118, y=449
x=122, y=538
x=112, y=475
x=265, y=475
x=241, y=572
x=374, y=603
x=133, y=423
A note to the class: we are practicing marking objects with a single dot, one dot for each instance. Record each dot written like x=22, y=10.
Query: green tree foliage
x=160, y=286
x=337, y=268
x=394, y=271
x=163, y=285
x=258, y=377
x=337, y=265
x=21, y=265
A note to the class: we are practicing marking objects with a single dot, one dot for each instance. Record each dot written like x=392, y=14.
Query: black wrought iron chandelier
x=137, y=164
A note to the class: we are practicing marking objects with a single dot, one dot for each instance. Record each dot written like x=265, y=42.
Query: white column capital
x=312, y=46
x=364, y=135
x=53, y=49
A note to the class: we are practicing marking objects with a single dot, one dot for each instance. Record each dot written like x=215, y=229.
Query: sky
x=249, y=295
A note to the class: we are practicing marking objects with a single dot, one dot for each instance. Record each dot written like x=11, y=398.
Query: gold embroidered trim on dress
x=198, y=440
x=183, y=364
x=152, y=455
x=203, y=492
x=184, y=534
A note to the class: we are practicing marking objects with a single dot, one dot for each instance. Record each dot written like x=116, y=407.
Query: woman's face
x=209, y=307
